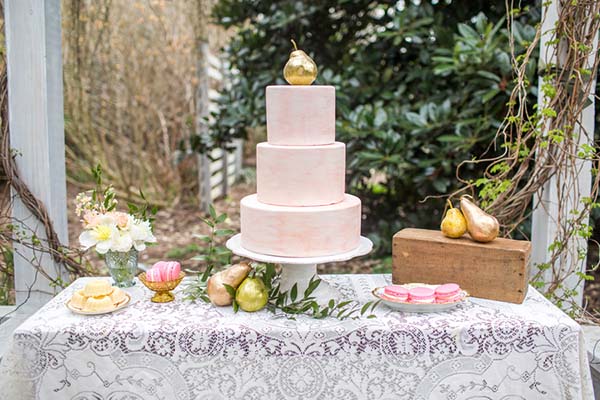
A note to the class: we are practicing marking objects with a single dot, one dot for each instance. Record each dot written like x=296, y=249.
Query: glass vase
x=122, y=267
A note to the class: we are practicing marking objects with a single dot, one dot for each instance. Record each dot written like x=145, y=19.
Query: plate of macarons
x=420, y=297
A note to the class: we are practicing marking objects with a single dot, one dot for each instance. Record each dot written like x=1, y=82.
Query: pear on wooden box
x=454, y=224
x=482, y=226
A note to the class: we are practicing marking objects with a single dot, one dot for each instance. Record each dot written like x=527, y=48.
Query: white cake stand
x=300, y=270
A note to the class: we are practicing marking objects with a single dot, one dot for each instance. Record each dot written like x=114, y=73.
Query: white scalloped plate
x=417, y=308
x=119, y=306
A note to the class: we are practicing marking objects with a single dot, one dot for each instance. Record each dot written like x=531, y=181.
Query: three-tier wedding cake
x=300, y=208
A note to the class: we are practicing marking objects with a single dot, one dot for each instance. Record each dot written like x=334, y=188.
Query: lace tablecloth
x=481, y=350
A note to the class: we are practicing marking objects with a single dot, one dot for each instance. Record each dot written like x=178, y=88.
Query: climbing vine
x=545, y=147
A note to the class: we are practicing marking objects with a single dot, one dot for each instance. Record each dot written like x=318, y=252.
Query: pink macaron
x=448, y=293
x=171, y=270
x=396, y=292
x=154, y=275
x=421, y=295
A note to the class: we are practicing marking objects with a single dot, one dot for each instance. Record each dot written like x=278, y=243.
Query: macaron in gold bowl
x=162, y=288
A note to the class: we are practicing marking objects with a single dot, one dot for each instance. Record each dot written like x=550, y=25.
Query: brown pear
x=482, y=226
x=232, y=276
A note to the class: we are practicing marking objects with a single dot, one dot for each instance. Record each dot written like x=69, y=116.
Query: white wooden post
x=225, y=172
x=546, y=214
x=35, y=102
x=239, y=154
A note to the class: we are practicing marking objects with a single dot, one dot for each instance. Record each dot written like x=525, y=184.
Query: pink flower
x=121, y=218
x=91, y=219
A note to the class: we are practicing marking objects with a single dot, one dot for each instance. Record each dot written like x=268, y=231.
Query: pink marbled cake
x=300, y=115
x=300, y=231
x=300, y=175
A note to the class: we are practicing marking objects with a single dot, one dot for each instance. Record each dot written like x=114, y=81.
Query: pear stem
x=294, y=43
x=449, y=203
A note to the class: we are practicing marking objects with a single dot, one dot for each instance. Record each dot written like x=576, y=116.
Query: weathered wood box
x=498, y=270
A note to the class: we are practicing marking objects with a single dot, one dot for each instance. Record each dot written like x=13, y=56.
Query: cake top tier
x=300, y=115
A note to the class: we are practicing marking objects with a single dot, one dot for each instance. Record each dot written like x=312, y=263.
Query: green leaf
x=224, y=232
x=220, y=219
x=364, y=308
x=312, y=285
x=212, y=211
x=204, y=238
x=380, y=117
x=208, y=222
x=468, y=32
x=375, y=305
x=230, y=290
x=441, y=185
x=294, y=292
x=343, y=304
x=490, y=94
x=489, y=75
x=220, y=251
x=450, y=138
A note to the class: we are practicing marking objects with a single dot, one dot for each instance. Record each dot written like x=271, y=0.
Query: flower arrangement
x=116, y=235
x=109, y=230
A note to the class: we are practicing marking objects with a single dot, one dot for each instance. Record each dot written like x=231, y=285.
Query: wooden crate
x=498, y=270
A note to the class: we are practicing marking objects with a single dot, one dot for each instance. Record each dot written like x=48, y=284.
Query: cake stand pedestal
x=300, y=270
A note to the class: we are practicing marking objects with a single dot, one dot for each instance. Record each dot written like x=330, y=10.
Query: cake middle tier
x=300, y=231
x=300, y=175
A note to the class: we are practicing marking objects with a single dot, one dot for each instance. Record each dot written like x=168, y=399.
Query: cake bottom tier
x=300, y=231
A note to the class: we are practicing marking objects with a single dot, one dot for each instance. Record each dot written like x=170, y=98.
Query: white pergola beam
x=35, y=94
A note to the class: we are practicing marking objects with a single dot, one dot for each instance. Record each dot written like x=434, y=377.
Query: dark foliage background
x=420, y=88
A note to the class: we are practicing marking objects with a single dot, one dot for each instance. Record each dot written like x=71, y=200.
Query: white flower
x=141, y=233
x=103, y=236
x=123, y=243
x=83, y=202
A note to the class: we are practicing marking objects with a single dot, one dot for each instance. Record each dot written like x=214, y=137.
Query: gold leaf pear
x=300, y=69
x=482, y=226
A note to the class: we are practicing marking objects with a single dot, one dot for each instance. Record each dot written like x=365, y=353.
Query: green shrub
x=420, y=88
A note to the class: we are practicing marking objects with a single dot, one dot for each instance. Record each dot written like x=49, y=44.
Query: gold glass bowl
x=162, y=289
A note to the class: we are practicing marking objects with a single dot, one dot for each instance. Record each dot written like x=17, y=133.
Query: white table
x=180, y=350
